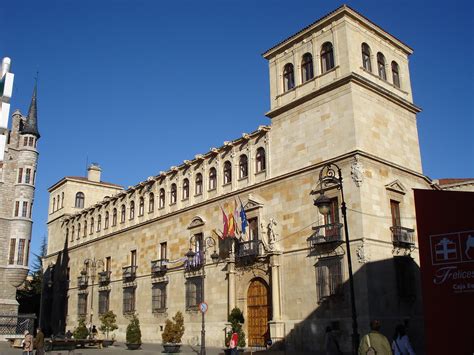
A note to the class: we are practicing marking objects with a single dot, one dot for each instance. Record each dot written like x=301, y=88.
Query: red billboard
x=445, y=223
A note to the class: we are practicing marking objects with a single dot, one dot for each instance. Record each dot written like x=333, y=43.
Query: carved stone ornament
x=271, y=242
x=362, y=253
x=357, y=172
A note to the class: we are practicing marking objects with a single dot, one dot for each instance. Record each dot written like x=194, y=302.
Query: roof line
x=340, y=9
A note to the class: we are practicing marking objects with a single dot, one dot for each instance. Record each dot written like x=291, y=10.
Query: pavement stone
x=117, y=348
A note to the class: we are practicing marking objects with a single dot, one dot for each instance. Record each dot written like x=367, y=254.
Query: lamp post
x=208, y=242
x=330, y=176
x=91, y=265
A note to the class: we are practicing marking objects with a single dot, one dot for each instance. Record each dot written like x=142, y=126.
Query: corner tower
x=17, y=188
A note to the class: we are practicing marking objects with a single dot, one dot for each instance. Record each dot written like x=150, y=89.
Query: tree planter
x=107, y=342
x=133, y=346
x=171, y=348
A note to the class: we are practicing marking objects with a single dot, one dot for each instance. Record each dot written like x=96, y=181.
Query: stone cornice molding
x=350, y=78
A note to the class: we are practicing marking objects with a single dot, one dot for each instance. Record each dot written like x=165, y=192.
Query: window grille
x=104, y=301
x=158, y=300
x=129, y=300
x=329, y=277
x=193, y=292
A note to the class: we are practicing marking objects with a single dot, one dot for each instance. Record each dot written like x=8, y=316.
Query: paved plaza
x=119, y=348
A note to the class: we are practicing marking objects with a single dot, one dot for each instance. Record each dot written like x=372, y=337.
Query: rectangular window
x=129, y=299
x=11, y=257
x=103, y=301
x=17, y=208
x=163, y=250
x=405, y=269
x=25, y=141
x=21, y=252
x=20, y=175
x=31, y=210
x=108, y=263
x=82, y=304
x=253, y=228
x=27, y=176
x=193, y=292
x=333, y=215
x=133, y=258
x=329, y=277
x=158, y=297
x=30, y=141
x=24, y=210
x=395, y=210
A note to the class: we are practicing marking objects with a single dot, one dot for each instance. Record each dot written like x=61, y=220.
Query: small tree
x=109, y=323
x=81, y=332
x=134, y=334
x=174, y=330
x=236, y=319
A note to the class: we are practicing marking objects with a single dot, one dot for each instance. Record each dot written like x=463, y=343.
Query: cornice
x=350, y=78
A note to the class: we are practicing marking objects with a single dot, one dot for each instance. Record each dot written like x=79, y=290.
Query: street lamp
x=208, y=242
x=92, y=264
x=331, y=176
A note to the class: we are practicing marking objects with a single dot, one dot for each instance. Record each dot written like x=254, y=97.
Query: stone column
x=277, y=327
x=231, y=283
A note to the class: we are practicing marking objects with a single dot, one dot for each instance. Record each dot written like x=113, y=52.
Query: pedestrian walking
x=39, y=342
x=27, y=343
x=374, y=342
x=401, y=344
x=330, y=343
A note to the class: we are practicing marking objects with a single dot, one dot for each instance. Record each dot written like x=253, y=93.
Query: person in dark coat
x=39, y=342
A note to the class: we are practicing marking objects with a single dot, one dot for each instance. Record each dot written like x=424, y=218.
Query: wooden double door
x=258, y=313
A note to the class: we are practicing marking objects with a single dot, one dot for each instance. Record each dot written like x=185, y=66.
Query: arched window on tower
x=185, y=189
x=84, y=233
x=198, y=188
x=99, y=223
x=366, y=63
x=114, y=217
x=212, y=178
x=72, y=232
x=79, y=231
x=243, y=166
x=327, y=57
x=141, y=206
x=395, y=74
x=151, y=202
x=79, y=200
x=92, y=226
x=62, y=194
x=227, y=172
x=260, y=160
x=54, y=204
x=122, y=214
x=106, y=221
x=288, y=77
x=132, y=209
x=381, y=66
x=307, y=72
x=162, y=198
x=174, y=193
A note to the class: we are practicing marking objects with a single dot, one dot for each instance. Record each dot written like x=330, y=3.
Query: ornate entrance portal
x=258, y=313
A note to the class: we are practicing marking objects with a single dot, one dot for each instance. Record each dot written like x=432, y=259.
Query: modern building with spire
x=18, y=164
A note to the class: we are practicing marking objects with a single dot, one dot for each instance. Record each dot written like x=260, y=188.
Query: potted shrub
x=134, y=334
x=108, y=324
x=81, y=332
x=236, y=320
x=172, y=334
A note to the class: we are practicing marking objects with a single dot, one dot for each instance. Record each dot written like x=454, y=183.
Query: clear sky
x=139, y=86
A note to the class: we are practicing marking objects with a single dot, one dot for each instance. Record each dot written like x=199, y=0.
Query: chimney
x=93, y=172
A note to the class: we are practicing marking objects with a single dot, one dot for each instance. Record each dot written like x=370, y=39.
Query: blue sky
x=139, y=86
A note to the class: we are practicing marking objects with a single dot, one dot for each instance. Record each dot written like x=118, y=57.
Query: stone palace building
x=340, y=93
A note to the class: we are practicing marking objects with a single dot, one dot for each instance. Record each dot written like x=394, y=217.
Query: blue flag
x=243, y=217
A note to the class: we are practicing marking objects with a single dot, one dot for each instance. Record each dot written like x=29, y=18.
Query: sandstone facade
x=289, y=289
